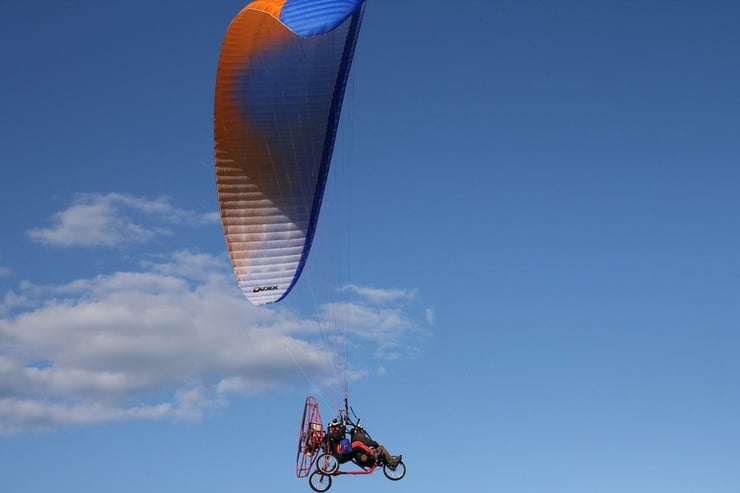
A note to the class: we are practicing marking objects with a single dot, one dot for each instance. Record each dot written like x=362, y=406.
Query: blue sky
x=544, y=252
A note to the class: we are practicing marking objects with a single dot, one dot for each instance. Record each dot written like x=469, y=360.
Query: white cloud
x=4, y=271
x=17, y=415
x=173, y=340
x=11, y=300
x=113, y=219
x=381, y=296
x=431, y=316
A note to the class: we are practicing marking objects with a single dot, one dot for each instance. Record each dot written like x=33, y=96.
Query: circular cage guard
x=310, y=437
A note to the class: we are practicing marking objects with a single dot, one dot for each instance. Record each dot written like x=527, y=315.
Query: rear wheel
x=319, y=482
x=395, y=473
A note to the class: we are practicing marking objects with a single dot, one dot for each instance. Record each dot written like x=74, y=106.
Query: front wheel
x=327, y=463
x=319, y=481
x=395, y=473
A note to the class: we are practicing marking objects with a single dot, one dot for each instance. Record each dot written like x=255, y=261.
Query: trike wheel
x=319, y=481
x=327, y=464
x=395, y=473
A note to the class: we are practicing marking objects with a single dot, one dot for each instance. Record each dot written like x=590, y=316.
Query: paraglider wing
x=279, y=90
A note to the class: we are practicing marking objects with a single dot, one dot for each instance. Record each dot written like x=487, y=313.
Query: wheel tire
x=327, y=464
x=319, y=482
x=395, y=475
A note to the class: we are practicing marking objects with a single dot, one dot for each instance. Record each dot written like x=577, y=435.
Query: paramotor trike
x=316, y=447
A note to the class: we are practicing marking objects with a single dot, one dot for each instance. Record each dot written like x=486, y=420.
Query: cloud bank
x=114, y=219
x=173, y=339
